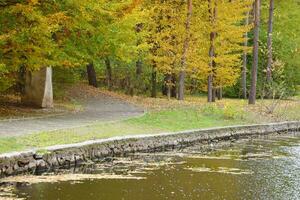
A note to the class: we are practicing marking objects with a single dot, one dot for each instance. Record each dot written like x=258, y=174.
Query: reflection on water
x=264, y=168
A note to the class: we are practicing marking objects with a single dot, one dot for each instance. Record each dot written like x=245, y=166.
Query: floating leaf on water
x=7, y=193
x=225, y=157
x=31, y=179
x=199, y=169
x=224, y=170
x=256, y=156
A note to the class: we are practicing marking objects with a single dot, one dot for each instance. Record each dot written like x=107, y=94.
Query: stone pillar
x=38, y=88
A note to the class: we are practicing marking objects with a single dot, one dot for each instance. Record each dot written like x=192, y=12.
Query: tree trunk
x=38, y=88
x=214, y=94
x=244, y=70
x=210, y=84
x=181, y=85
x=139, y=62
x=164, y=88
x=137, y=81
x=21, y=80
x=154, y=82
x=169, y=95
x=168, y=85
x=210, y=88
x=182, y=73
x=91, y=75
x=270, y=42
x=252, y=96
x=220, y=93
x=129, y=88
x=174, y=88
x=108, y=74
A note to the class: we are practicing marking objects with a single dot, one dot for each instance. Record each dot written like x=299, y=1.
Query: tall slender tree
x=182, y=72
x=252, y=95
x=154, y=81
x=270, y=42
x=244, y=70
x=210, y=85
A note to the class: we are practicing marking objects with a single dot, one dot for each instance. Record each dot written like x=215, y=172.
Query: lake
x=260, y=168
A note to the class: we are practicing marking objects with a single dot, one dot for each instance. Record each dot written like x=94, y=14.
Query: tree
x=28, y=43
x=182, y=72
x=212, y=15
x=285, y=49
x=166, y=38
x=154, y=81
x=244, y=70
x=226, y=36
x=211, y=55
x=139, y=46
x=229, y=46
x=92, y=78
x=252, y=95
x=270, y=42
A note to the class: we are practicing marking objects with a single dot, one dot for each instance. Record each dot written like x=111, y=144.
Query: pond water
x=261, y=168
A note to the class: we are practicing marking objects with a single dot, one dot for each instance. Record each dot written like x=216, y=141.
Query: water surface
x=262, y=168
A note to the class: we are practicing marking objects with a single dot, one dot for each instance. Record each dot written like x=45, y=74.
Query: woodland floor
x=98, y=113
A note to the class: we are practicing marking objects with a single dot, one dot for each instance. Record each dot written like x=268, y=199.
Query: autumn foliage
x=143, y=41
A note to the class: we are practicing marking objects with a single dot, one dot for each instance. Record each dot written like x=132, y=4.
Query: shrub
x=227, y=112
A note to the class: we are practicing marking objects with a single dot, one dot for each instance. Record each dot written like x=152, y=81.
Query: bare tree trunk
x=244, y=70
x=137, y=81
x=174, y=88
x=181, y=83
x=210, y=85
x=214, y=94
x=164, y=88
x=252, y=96
x=210, y=88
x=108, y=74
x=270, y=42
x=91, y=75
x=168, y=85
x=169, y=92
x=220, y=93
x=130, y=88
x=139, y=63
x=154, y=82
x=182, y=73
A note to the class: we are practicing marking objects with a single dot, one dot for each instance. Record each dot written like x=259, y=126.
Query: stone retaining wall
x=74, y=154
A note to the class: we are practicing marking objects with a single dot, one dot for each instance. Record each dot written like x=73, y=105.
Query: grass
x=162, y=116
x=184, y=119
x=153, y=122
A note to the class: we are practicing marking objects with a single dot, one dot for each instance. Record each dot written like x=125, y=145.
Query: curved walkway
x=100, y=108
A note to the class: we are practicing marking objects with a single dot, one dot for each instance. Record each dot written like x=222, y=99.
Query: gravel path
x=100, y=108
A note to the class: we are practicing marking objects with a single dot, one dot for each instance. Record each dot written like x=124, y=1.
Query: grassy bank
x=152, y=122
x=164, y=116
